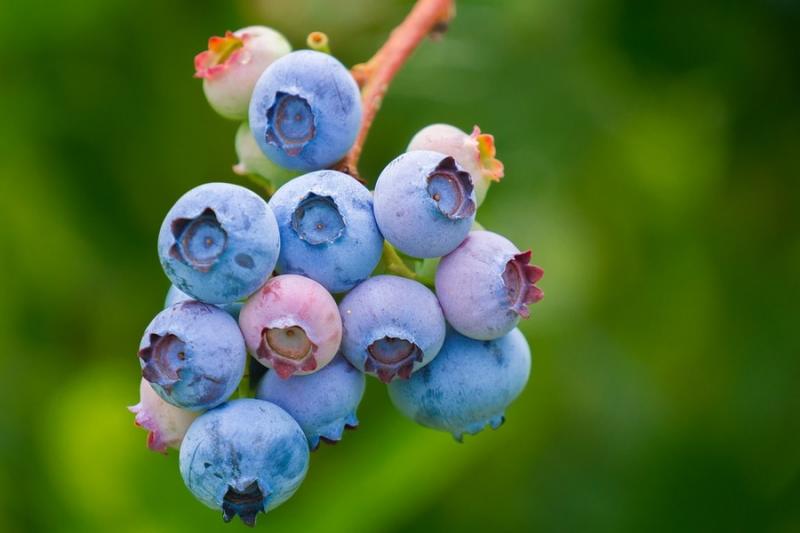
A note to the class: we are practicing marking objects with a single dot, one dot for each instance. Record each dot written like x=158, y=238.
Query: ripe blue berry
x=392, y=327
x=232, y=65
x=219, y=243
x=468, y=386
x=328, y=231
x=306, y=111
x=323, y=403
x=175, y=295
x=193, y=355
x=486, y=285
x=245, y=457
x=475, y=153
x=424, y=203
x=165, y=424
x=292, y=325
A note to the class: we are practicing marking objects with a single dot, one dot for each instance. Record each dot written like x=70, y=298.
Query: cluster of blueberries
x=264, y=278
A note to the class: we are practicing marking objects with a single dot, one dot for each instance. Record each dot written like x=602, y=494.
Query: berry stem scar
x=427, y=17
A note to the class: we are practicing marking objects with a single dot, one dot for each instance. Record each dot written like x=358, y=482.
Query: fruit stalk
x=374, y=76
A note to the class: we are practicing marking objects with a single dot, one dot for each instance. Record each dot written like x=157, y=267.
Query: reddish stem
x=374, y=76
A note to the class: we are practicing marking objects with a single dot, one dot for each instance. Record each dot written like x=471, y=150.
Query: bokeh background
x=652, y=155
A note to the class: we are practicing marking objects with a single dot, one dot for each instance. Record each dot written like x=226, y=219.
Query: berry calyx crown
x=491, y=167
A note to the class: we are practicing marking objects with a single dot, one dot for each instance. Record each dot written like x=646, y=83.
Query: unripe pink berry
x=165, y=423
x=292, y=325
x=232, y=65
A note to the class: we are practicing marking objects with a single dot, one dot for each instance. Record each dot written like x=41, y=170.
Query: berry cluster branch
x=427, y=17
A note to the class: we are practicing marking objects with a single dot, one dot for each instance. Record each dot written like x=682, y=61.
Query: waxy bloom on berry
x=393, y=326
x=328, y=231
x=219, y=243
x=474, y=152
x=486, y=285
x=468, y=386
x=244, y=458
x=424, y=203
x=193, y=355
x=305, y=111
x=232, y=65
x=323, y=403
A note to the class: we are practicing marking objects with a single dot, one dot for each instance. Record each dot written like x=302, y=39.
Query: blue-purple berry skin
x=193, y=354
x=328, y=230
x=245, y=457
x=219, y=243
x=323, y=403
x=175, y=295
x=424, y=203
x=393, y=326
x=305, y=111
x=468, y=386
x=485, y=286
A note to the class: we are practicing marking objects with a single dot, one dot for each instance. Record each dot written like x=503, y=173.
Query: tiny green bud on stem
x=318, y=41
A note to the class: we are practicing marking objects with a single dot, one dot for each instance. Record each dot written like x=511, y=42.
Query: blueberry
x=175, y=295
x=245, y=457
x=392, y=327
x=232, y=65
x=166, y=424
x=475, y=153
x=193, y=355
x=306, y=111
x=486, y=285
x=424, y=203
x=468, y=386
x=292, y=325
x=219, y=243
x=328, y=231
x=323, y=403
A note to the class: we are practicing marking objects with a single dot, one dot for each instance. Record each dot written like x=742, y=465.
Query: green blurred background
x=652, y=154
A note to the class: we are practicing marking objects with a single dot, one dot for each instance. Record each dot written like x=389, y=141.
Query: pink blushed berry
x=292, y=325
x=166, y=424
x=232, y=64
